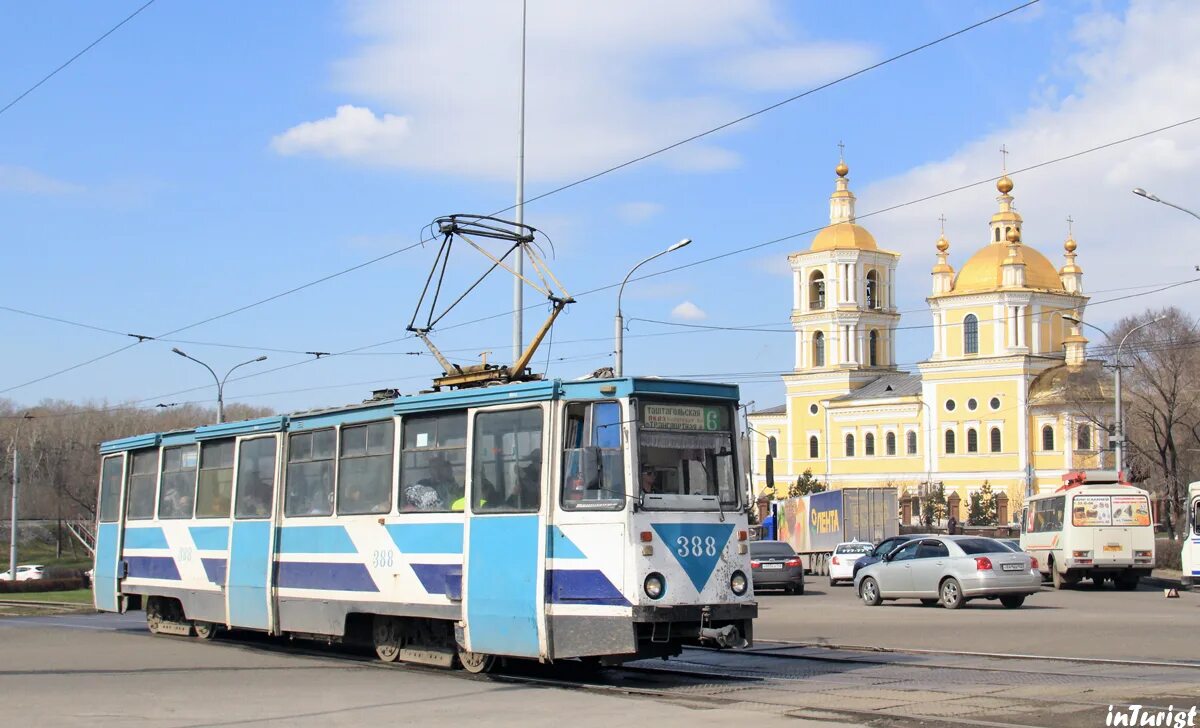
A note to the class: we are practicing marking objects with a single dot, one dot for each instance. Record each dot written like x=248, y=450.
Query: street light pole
x=1118, y=414
x=219, y=380
x=1155, y=198
x=16, y=458
x=619, y=353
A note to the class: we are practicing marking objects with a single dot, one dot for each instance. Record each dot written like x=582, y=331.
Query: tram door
x=248, y=578
x=107, y=574
x=503, y=559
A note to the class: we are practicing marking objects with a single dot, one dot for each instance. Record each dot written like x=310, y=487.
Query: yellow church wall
x=953, y=323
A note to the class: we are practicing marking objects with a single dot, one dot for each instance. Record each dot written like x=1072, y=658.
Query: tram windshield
x=685, y=456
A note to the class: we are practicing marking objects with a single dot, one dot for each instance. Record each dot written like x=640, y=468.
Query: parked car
x=845, y=556
x=775, y=565
x=24, y=573
x=950, y=570
x=1013, y=544
x=884, y=547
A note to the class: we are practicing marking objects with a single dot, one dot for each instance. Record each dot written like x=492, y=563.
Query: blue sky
x=207, y=155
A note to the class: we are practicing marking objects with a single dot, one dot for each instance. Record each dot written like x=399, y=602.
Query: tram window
x=214, y=489
x=365, y=469
x=255, y=478
x=310, y=473
x=1196, y=519
x=110, y=489
x=143, y=476
x=593, y=462
x=507, y=461
x=687, y=450
x=177, y=497
x=433, y=461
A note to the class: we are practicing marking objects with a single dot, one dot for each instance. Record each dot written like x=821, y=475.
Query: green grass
x=41, y=553
x=75, y=596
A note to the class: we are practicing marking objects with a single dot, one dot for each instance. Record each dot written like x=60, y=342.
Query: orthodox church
x=1007, y=396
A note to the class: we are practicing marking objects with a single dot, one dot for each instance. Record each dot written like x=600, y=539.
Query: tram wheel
x=476, y=662
x=154, y=617
x=204, y=630
x=387, y=637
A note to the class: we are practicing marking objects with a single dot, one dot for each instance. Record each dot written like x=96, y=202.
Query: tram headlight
x=655, y=586
x=738, y=583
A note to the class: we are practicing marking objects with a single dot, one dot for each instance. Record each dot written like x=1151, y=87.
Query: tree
x=1162, y=410
x=933, y=509
x=981, y=510
x=806, y=484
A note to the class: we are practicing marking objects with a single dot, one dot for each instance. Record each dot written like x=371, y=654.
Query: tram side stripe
x=325, y=576
x=210, y=538
x=440, y=578
x=214, y=569
x=558, y=546
x=582, y=586
x=152, y=567
x=151, y=537
x=427, y=538
x=315, y=540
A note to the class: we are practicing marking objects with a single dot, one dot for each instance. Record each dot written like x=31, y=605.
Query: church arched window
x=1084, y=440
x=869, y=444
x=873, y=348
x=849, y=446
x=972, y=440
x=1047, y=438
x=819, y=349
x=816, y=290
x=971, y=334
x=872, y=290
x=889, y=443
x=814, y=449
x=997, y=235
x=912, y=442
x=949, y=442
x=995, y=439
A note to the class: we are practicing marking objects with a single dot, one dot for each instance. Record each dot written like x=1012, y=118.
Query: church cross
x=943, y=219
x=1004, y=158
x=1070, y=226
x=841, y=151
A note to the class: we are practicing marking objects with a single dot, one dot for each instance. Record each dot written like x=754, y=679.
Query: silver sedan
x=950, y=570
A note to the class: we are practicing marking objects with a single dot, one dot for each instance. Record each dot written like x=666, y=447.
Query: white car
x=841, y=564
x=24, y=573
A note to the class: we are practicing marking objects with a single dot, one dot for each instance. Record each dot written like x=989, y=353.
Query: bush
x=62, y=572
x=1167, y=554
x=42, y=585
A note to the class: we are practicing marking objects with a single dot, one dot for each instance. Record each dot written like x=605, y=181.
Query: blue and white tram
x=544, y=520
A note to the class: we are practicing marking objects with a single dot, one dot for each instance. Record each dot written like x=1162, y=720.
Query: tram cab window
x=214, y=491
x=433, y=462
x=506, y=474
x=365, y=468
x=256, y=478
x=177, y=496
x=310, y=473
x=143, y=477
x=593, y=459
x=686, y=456
x=110, y=489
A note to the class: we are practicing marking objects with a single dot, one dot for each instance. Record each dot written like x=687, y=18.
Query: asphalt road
x=1082, y=622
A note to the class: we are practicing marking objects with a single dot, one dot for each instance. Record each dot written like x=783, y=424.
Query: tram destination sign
x=685, y=417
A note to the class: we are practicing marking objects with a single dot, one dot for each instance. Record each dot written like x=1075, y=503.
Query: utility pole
x=16, y=480
x=519, y=263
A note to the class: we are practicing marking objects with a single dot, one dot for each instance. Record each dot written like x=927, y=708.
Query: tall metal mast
x=519, y=262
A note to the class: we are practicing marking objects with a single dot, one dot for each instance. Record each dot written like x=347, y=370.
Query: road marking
x=1003, y=655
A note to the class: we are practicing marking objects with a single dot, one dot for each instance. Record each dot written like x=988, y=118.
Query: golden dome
x=943, y=244
x=1004, y=184
x=844, y=236
x=983, y=273
x=1070, y=245
x=842, y=170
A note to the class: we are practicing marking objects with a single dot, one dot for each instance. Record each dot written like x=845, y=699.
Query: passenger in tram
x=529, y=483
x=441, y=480
x=648, y=479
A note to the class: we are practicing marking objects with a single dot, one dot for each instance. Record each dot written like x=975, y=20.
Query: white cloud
x=1124, y=84
x=435, y=84
x=796, y=66
x=635, y=212
x=688, y=311
x=27, y=181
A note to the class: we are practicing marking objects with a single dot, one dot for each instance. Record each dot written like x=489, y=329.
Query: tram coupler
x=723, y=637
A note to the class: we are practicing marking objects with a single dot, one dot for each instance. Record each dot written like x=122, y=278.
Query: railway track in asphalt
x=885, y=687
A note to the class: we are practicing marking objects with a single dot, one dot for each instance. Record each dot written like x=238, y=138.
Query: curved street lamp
x=1118, y=422
x=618, y=358
x=219, y=380
x=1155, y=198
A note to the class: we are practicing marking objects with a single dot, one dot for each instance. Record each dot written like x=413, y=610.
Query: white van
x=1190, y=554
x=1101, y=530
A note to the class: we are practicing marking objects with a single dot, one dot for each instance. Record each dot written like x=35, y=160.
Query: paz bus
x=1093, y=526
